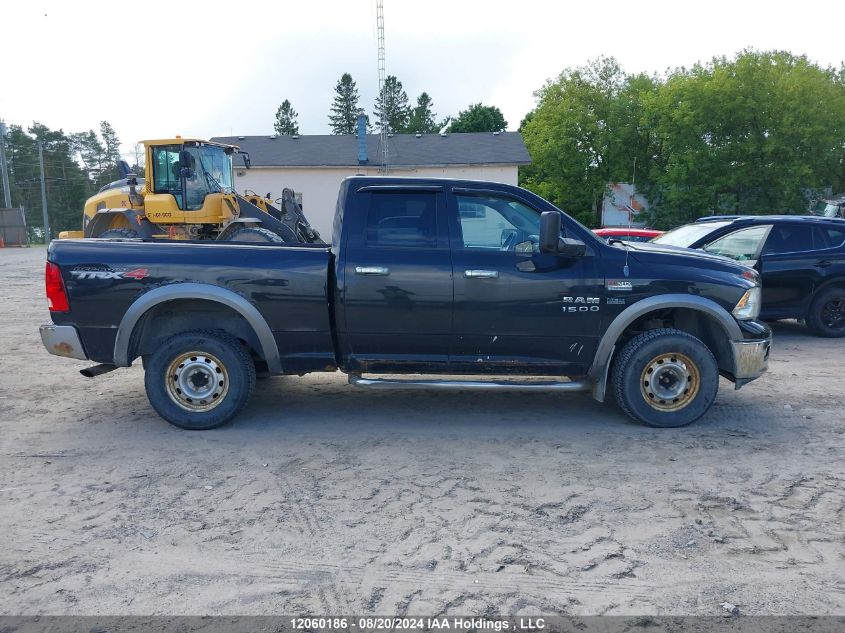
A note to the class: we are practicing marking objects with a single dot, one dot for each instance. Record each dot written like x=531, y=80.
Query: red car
x=629, y=235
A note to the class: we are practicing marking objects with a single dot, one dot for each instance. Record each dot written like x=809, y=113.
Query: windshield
x=830, y=211
x=212, y=173
x=688, y=234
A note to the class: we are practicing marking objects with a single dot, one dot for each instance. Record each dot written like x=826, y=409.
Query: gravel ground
x=325, y=499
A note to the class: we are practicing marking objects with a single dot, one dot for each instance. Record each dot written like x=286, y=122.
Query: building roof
x=404, y=150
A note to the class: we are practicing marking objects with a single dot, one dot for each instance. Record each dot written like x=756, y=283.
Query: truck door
x=397, y=280
x=517, y=310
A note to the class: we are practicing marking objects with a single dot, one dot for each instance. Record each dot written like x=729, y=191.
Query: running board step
x=477, y=385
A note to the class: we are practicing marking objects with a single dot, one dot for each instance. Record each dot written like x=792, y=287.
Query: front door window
x=498, y=224
x=743, y=245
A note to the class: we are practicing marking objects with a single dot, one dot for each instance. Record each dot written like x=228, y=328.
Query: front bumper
x=62, y=340
x=751, y=359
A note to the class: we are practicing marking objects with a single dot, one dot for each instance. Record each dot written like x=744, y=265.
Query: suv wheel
x=827, y=313
x=199, y=380
x=665, y=378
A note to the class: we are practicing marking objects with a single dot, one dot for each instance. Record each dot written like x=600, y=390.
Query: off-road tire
x=255, y=234
x=124, y=233
x=217, y=350
x=682, y=353
x=819, y=316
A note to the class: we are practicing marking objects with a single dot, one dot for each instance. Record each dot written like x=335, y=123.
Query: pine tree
x=111, y=152
x=286, y=120
x=91, y=153
x=344, y=108
x=422, y=117
x=391, y=108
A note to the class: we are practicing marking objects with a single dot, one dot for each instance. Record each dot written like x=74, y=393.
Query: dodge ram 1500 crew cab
x=423, y=277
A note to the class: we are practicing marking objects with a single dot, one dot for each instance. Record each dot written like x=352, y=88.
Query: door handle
x=481, y=274
x=372, y=270
x=823, y=263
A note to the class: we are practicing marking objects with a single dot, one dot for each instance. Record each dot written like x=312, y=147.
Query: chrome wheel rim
x=670, y=382
x=197, y=381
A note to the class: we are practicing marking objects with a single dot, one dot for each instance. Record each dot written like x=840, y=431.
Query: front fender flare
x=604, y=353
x=191, y=290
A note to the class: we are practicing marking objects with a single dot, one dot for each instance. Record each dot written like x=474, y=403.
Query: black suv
x=800, y=258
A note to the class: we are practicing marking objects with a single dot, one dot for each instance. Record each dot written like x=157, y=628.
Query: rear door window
x=403, y=218
x=789, y=238
x=830, y=237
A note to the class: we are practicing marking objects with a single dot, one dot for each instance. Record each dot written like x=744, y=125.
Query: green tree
x=391, y=108
x=92, y=154
x=423, y=118
x=479, y=118
x=344, y=109
x=286, y=120
x=587, y=131
x=111, y=152
x=757, y=133
x=67, y=184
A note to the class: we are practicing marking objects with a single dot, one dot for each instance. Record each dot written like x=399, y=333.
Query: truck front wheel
x=199, y=380
x=665, y=378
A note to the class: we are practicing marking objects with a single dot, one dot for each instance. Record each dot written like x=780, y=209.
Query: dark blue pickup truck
x=480, y=283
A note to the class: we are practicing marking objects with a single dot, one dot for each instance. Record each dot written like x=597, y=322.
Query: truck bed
x=287, y=284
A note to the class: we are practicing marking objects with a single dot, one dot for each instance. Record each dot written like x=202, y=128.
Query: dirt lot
x=321, y=498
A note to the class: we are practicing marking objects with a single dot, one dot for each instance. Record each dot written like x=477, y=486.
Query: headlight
x=749, y=306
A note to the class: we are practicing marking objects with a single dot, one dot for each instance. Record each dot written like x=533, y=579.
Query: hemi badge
x=615, y=284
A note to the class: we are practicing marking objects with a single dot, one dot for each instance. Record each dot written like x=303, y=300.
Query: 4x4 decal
x=137, y=273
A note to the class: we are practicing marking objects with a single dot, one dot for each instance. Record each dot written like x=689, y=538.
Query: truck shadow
x=328, y=404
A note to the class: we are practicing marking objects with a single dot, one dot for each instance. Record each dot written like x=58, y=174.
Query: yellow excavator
x=189, y=195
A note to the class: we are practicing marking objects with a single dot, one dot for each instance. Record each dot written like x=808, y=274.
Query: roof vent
x=443, y=134
x=495, y=133
x=418, y=135
x=390, y=135
x=274, y=137
x=295, y=136
x=240, y=138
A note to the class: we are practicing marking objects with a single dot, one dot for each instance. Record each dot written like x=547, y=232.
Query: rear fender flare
x=604, y=353
x=126, y=329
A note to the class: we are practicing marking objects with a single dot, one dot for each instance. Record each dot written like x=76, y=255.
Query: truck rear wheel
x=199, y=380
x=665, y=378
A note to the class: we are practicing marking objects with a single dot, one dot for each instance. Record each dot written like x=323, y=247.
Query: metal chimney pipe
x=362, y=139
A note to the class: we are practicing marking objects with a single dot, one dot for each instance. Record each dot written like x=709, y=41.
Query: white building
x=314, y=166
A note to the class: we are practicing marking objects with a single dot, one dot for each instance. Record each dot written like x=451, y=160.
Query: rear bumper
x=751, y=359
x=62, y=340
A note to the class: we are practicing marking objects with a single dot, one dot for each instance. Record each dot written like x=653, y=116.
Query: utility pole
x=381, y=76
x=7, y=193
x=43, y=193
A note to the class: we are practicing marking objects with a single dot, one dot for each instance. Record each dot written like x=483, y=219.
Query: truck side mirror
x=569, y=247
x=552, y=242
x=549, y=231
x=247, y=162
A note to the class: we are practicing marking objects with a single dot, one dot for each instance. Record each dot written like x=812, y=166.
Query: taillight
x=56, y=293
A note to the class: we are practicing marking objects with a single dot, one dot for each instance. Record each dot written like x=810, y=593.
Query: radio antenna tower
x=381, y=76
